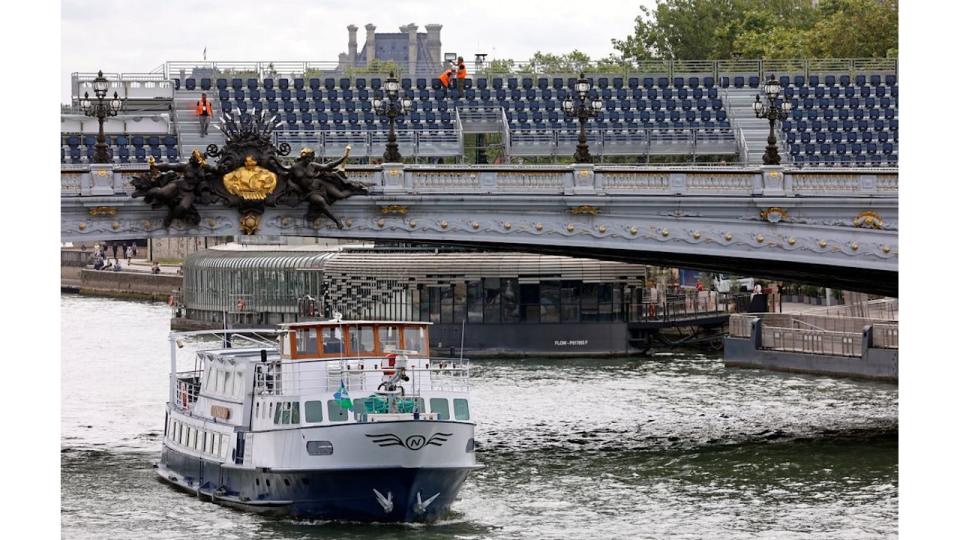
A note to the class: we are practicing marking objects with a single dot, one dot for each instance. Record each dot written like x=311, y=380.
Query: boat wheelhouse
x=348, y=420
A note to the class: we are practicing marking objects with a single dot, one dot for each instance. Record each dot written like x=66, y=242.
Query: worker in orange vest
x=445, y=77
x=204, y=112
x=461, y=74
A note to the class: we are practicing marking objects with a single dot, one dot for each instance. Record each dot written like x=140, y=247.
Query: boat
x=329, y=420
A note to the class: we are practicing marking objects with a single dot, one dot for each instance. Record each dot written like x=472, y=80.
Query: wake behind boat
x=342, y=420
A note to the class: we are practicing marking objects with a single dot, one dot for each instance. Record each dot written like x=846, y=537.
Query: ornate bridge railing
x=94, y=180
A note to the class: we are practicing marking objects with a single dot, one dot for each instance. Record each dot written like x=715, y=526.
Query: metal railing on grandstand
x=371, y=144
x=622, y=142
x=654, y=67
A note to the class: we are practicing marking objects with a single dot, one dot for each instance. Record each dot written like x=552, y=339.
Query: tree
x=718, y=29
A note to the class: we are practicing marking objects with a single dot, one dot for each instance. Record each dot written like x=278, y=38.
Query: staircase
x=753, y=131
x=188, y=126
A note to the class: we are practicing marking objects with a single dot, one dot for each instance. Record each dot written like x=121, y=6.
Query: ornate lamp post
x=583, y=111
x=772, y=112
x=101, y=110
x=392, y=107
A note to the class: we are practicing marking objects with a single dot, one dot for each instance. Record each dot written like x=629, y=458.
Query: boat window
x=221, y=375
x=278, y=414
x=238, y=383
x=389, y=338
x=306, y=340
x=227, y=381
x=285, y=415
x=414, y=338
x=209, y=446
x=192, y=442
x=335, y=412
x=461, y=410
x=270, y=412
x=332, y=340
x=441, y=407
x=313, y=410
x=295, y=412
x=224, y=446
x=361, y=339
x=257, y=413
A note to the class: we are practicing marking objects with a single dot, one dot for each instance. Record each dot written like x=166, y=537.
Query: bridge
x=833, y=226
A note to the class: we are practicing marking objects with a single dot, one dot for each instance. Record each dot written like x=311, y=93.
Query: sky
x=135, y=36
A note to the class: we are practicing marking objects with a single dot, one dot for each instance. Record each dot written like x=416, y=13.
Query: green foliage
x=376, y=66
x=721, y=29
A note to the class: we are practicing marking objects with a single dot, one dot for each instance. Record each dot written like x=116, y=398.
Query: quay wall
x=132, y=285
x=877, y=364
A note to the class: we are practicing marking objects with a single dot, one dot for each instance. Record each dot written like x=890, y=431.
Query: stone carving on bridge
x=249, y=176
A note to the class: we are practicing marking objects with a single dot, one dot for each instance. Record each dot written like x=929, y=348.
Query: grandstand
x=844, y=112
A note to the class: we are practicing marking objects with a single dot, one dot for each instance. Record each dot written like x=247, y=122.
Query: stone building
x=418, y=52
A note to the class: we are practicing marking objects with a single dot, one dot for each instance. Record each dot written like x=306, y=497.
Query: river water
x=671, y=446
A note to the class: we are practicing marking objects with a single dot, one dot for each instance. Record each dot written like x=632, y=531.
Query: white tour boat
x=345, y=420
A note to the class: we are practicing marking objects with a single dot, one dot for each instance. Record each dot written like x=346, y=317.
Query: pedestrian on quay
x=204, y=112
x=155, y=269
x=114, y=250
x=116, y=267
x=129, y=254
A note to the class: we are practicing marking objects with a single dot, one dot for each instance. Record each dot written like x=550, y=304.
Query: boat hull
x=388, y=494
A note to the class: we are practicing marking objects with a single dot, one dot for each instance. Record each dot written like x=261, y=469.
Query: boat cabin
x=354, y=339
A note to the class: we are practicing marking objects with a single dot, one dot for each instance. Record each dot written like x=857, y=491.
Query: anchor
x=385, y=502
x=422, y=505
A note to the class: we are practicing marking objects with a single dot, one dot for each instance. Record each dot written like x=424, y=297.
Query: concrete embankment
x=133, y=285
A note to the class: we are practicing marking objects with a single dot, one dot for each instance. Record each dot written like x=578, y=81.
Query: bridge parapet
x=395, y=179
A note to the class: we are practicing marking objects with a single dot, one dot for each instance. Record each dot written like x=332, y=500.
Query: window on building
x=313, y=411
x=510, y=300
x=361, y=339
x=306, y=340
x=475, y=302
x=589, y=303
x=434, y=304
x=446, y=304
x=530, y=302
x=335, y=412
x=491, y=300
x=441, y=407
x=569, y=301
x=461, y=409
x=550, y=301
x=459, y=302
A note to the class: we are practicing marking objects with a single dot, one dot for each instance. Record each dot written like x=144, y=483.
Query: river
x=670, y=446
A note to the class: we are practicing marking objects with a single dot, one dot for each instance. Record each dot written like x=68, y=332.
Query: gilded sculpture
x=249, y=176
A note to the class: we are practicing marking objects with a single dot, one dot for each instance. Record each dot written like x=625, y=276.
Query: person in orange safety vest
x=204, y=112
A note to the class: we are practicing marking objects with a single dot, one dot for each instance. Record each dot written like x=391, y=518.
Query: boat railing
x=283, y=378
x=188, y=389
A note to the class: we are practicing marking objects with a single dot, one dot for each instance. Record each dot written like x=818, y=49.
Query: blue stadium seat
x=754, y=81
x=252, y=84
x=191, y=83
x=221, y=84
x=890, y=80
x=814, y=80
x=236, y=84
x=799, y=80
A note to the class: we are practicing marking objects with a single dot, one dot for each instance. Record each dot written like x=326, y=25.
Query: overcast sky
x=138, y=36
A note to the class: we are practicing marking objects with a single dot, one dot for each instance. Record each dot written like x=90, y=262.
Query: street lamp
x=101, y=110
x=392, y=107
x=771, y=112
x=583, y=111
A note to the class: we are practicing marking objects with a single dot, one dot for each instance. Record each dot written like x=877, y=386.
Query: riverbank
x=134, y=281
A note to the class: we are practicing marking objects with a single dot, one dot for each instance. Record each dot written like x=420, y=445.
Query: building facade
x=418, y=53
x=491, y=303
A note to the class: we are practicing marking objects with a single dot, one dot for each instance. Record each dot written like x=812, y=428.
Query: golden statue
x=251, y=181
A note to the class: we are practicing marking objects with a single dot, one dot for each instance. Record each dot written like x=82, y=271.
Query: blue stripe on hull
x=345, y=495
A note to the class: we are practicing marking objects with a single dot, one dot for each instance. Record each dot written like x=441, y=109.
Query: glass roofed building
x=495, y=303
